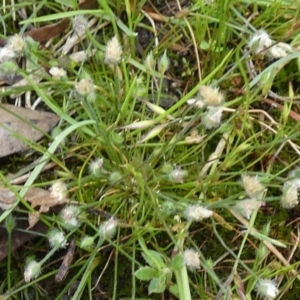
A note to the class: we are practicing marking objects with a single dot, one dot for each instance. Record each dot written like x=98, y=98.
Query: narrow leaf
x=152, y=133
x=157, y=109
x=139, y=125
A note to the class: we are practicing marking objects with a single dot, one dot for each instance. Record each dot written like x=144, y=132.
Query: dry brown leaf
x=43, y=198
x=37, y=197
x=33, y=218
x=45, y=33
x=13, y=127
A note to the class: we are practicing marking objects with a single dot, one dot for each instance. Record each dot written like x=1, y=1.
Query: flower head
x=108, y=229
x=289, y=197
x=85, y=87
x=113, y=52
x=210, y=96
x=247, y=206
x=17, y=44
x=267, y=288
x=259, y=42
x=197, y=213
x=69, y=216
x=199, y=103
x=80, y=24
x=279, y=50
x=191, y=259
x=149, y=62
x=58, y=73
x=32, y=270
x=252, y=186
x=163, y=63
x=212, y=117
x=57, y=238
x=177, y=175
x=96, y=166
x=6, y=54
x=58, y=190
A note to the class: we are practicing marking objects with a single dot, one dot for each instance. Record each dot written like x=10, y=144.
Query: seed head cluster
x=191, y=259
x=252, y=186
x=267, y=288
x=261, y=43
x=254, y=190
x=289, y=198
x=197, y=213
x=212, y=99
x=32, y=271
x=113, y=52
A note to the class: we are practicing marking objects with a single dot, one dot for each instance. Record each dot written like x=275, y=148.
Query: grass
x=135, y=121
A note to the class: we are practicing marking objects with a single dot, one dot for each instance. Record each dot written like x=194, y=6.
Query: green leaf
x=146, y=273
x=177, y=262
x=154, y=259
x=174, y=290
x=267, y=80
x=157, y=285
x=204, y=45
x=152, y=133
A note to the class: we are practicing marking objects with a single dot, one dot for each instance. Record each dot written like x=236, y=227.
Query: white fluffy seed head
x=32, y=271
x=108, y=229
x=57, y=238
x=197, y=213
x=177, y=175
x=85, y=87
x=247, y=206
x=113, y=52
x=267, y=288
x=58, y=73
x=69, y=216
x=191, y=259
x=289, y=197
x=212, y=117
x=279, y=50
x=210, y=96
x=6, y=54
x=259, y=42
x=96, y=167
x=252, y=186
x=80, y=25
x=17, y=44
x=59, y=190
x=196, y=102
